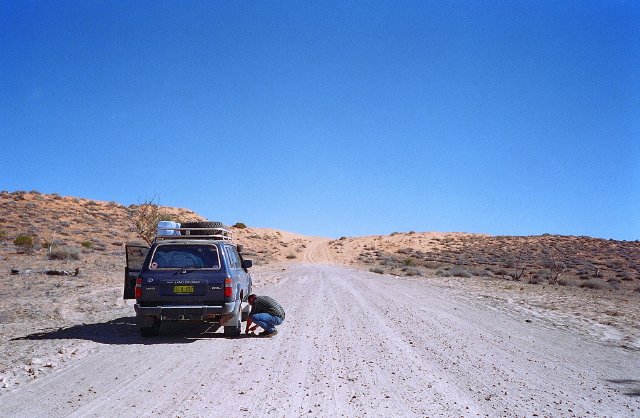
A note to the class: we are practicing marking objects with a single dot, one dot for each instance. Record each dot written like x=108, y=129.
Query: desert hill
x=545, y=259
x=101, y=228
x=104, y=227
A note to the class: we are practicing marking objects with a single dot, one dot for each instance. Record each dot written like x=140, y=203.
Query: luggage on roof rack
x=193, y=230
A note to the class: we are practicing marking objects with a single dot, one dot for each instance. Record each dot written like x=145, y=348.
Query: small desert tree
x=146, y=217
x=556, y=268
x=518, y=263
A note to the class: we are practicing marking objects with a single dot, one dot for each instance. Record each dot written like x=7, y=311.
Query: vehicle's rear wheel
x=151, y=331
x=235, y=324
x=202, y=225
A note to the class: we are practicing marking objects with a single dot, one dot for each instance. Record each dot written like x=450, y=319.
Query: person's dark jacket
x=266, y=304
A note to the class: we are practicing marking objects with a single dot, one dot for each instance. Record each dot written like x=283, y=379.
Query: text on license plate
x=182, y=289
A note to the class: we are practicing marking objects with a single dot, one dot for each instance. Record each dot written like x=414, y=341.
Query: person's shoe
x=268, y=333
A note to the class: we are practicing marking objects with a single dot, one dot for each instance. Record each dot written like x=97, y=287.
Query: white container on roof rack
x=168, y=228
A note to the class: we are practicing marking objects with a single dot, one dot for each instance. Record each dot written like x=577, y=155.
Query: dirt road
x=318, y=252
x=353, y=344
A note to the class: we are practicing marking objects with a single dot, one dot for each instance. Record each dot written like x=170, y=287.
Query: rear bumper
x=186, y=312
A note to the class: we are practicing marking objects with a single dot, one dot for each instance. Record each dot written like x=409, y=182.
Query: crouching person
x=265, y=313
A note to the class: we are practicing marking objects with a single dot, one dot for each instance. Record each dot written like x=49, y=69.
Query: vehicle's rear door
x=184, y=274
x=135, y=253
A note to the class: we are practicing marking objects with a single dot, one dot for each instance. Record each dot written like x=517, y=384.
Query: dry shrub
x=64, y=253
x=481, y=272
x=433, y=265
x=501, y=272
x=626, y=276
x=541, y=275
x=458, y=271
x=455, y=271
x=376, y=270
x=568, y=282
x=410, y=271
x=594, y=284
x=535, y=279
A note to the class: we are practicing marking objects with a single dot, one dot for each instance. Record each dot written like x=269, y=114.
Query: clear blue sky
x=332, y=118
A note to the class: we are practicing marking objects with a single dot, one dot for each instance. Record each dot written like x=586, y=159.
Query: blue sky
x=332, y=118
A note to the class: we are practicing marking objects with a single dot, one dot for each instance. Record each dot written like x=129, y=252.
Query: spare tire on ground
x=202, y=225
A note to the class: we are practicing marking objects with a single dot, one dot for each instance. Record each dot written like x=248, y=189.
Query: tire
x=232, y=331
x=202, y=225
x=235, y=330
x=151, y=331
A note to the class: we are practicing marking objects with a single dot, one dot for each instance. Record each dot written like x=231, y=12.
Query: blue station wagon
x=198, y=275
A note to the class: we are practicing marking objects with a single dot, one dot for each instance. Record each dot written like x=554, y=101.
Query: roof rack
x=220, y=234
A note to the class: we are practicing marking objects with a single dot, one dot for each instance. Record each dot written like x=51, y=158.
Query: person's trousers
x=266, y=321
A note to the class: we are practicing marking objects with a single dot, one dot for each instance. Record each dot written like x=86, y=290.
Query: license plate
x=182, y=290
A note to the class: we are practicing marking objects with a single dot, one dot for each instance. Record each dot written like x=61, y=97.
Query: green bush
x=3, y=234
x=87, y=244
x=64, y=253
x=240, y=225
x=24, y=243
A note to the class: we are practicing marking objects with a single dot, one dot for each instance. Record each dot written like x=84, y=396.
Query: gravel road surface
x=353, y=344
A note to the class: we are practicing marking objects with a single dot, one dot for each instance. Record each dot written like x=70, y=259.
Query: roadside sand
x=354, y=343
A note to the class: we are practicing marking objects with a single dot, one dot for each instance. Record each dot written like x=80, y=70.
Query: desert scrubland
x=408, y=324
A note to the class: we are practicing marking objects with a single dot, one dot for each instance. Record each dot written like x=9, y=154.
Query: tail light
x=228, y=289
x=138, y=289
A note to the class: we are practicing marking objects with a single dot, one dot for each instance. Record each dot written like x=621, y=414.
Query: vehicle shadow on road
x=124, y=331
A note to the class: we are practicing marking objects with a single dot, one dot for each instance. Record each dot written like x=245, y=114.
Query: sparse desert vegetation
x=583, y=262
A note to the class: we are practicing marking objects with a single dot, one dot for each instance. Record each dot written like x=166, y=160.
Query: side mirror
x=246, y=264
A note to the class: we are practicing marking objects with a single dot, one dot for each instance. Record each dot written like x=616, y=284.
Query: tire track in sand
x=319, y=252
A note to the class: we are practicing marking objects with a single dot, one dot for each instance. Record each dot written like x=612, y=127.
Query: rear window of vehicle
x=185, y=257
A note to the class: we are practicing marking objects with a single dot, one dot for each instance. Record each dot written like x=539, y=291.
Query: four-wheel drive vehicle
x=198, y=275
